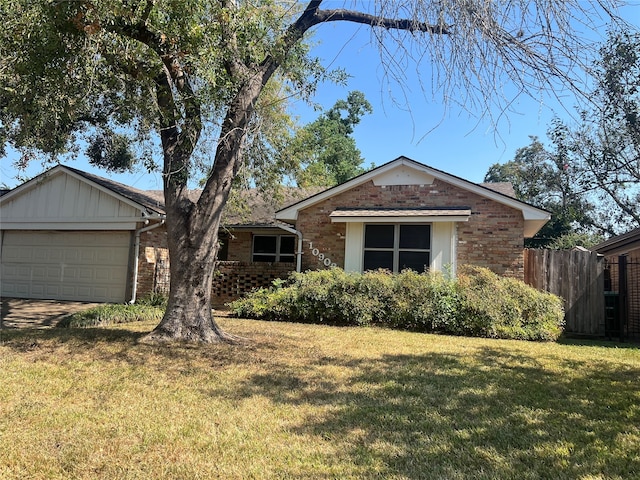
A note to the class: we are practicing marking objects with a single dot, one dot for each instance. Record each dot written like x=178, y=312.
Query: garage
x=59, y=265
x=71, y=235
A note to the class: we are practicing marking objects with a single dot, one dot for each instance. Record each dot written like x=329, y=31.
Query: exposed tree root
x=161, y=335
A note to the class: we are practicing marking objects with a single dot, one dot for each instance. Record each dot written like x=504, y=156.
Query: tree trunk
x=189, y=316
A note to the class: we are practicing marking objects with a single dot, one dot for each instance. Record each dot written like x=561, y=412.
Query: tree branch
x=341, y=15
x=232, y=64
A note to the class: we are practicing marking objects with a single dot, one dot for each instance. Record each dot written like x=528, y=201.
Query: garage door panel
x=65, y=265
x=37, y=272
x=84, y=274
x=84, y=292
x=54, y=274
x=36, y=256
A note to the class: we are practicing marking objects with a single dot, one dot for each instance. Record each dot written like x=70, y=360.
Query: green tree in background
x=605, y=145
x=324, y=150
x=590, y=179
x=184, y=85
x=545, y=179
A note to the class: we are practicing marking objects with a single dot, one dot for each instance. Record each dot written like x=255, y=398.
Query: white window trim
x=396, y=243
x=277, y=253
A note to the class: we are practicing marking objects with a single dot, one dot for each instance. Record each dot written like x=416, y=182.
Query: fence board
x=578, y=278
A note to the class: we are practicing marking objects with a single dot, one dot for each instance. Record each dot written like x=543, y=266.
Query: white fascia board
x=121, y=224
x=529, y=212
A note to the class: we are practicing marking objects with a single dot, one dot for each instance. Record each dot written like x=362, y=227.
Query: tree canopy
x=544, y=178
x=160, y=79
x=605, y=144
x=323, y=151
x=590, y=178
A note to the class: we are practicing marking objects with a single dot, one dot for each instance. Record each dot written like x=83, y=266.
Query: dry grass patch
x=306, y=401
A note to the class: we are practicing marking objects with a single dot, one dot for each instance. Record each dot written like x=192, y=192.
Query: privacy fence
x=578, y=277
x=601, y=295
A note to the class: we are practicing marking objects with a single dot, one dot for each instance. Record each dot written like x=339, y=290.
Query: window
x=397, y=247
x=274, y=248
x=223, y=250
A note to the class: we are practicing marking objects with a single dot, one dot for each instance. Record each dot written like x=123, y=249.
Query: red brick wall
x=233, y=279
x=492, y=238
x=153, y=262
x=240, y=246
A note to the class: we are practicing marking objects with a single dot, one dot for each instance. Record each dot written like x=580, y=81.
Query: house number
x=326, y=261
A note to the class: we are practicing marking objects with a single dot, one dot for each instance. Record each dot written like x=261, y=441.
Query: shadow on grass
x=491, y=415
x=599, y=342
x=495, y=412
x=122, y=345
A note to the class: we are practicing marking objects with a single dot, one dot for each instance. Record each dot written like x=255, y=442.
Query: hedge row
x=476, y=303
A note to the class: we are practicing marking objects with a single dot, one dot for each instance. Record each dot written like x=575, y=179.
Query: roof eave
x=146, y=212
x=529, y=212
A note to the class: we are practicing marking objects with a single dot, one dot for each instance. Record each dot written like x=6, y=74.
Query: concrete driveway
x=21, y=313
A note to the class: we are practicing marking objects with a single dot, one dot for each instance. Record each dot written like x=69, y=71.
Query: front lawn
x=307, y=401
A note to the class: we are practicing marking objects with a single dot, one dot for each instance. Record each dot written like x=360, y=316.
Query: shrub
x=494, y=306
x=154, y=299
x=477, y=303
x=110, y=314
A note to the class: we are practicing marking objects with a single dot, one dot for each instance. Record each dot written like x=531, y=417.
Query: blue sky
x=447, y=139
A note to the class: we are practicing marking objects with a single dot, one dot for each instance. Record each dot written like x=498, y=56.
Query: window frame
x=396, y=249
x=277, y=255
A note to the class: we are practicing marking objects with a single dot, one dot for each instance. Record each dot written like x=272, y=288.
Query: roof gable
x=65, y=198
x=404, y=171
x=137, y=199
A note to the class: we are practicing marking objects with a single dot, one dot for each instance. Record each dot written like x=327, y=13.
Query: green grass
x=315, y=402
x=108, y=314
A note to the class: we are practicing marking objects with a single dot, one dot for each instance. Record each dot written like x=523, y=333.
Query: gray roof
x=254, y=207
x=620, y=243
x=251, y=207
x=505, y=188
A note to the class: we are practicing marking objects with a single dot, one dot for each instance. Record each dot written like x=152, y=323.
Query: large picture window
x=274, y=248
x=397, y=247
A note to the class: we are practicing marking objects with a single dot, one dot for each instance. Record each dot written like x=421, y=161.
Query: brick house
x=402, y=214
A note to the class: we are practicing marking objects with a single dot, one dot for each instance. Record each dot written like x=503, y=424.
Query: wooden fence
x=578, y=277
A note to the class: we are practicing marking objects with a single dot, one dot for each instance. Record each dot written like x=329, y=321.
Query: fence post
x=622, y=293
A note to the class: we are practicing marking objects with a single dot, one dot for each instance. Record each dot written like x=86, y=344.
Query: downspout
x=289, y=229
x=134, y=288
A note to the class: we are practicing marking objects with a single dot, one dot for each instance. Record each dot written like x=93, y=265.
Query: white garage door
x=84, y=266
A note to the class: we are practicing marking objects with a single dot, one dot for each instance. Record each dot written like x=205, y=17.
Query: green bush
x=476, y=303
x=500, y=307
x=154, y=299
x=110, y=314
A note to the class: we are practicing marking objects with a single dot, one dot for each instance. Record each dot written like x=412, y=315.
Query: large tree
x=324, y=150
x=177, y=70
x=543, y=177
x=605, y=144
